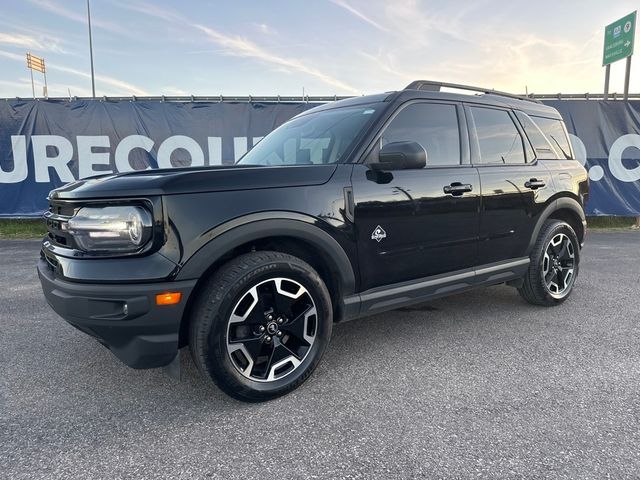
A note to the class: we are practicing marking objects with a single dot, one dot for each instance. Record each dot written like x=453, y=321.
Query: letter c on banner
x=616, y=166
x=124, y=149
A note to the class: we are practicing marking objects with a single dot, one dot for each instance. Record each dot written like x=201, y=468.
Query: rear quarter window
x=543, y=148
x=555, y=132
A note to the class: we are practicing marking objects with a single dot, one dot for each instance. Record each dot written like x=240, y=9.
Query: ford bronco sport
x=352, y=208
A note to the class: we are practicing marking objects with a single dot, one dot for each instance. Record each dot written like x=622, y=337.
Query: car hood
x=171, y=181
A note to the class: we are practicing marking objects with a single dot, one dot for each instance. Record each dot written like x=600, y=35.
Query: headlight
x=111, y=229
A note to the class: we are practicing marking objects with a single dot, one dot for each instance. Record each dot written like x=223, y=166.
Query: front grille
x=63, y=209
x=57, y=218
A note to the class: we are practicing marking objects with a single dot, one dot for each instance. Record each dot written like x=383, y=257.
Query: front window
x=433, y=125
x=313, y=139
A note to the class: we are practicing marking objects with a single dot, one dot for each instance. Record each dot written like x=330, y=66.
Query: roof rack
x=431, y=86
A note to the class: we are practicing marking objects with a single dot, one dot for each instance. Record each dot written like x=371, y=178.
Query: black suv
x=352, y=208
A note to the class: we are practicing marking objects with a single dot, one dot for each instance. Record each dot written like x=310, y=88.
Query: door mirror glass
x=401, y=156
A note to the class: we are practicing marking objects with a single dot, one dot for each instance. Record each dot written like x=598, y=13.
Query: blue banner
x=45, y=144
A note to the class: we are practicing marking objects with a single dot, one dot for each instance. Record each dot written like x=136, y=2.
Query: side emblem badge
x=378, y=234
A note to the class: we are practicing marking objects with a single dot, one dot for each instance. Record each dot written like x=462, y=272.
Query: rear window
x=499, y=140
x=554, y=130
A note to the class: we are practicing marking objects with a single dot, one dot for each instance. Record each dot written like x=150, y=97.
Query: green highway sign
x=618, y=39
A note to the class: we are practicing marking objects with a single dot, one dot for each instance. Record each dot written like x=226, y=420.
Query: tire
x=554, y=266
x=260, y=325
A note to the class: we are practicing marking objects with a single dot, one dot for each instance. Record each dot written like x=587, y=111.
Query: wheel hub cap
x=271, y=329
x=558, y=265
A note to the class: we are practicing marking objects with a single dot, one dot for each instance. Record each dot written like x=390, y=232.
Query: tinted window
x=434, y=126
x=543, y=148
x=554, y=131
x=498, y=138
x=315, y=138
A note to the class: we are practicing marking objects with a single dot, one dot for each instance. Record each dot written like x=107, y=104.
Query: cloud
x=24, y=83
x=152, y=10
x=30, y=42
x=119, y=85
x=174, y=91
x=359, y=14
x=62, y=11
x=416, y=22
x=124, y=88
x=464, y=44
x=22, y=88
x=264, y=28
x=18, y=40
x=13, y=56
x=242, y=47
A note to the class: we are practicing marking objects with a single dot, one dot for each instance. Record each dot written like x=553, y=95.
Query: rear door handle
x=534, y=183
x=457, y=188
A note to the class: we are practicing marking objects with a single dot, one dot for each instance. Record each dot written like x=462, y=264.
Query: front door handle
x=457, y=188
x=534, y=183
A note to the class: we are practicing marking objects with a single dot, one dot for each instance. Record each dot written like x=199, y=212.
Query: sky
x=326, y=47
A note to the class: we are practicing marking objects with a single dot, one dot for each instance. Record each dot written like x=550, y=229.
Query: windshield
x=313, y=139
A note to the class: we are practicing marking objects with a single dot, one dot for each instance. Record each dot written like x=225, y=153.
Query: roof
x=499, y=99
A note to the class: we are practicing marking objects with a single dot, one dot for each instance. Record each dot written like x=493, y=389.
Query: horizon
x=320, y=47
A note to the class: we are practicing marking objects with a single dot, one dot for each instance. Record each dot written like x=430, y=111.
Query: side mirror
x=401, y=156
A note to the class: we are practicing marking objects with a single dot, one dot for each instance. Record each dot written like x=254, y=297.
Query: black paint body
x=435, y=243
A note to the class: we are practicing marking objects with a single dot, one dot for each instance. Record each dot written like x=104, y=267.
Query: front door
x=412, y=224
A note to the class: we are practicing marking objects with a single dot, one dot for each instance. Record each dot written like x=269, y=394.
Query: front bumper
x=123, y=317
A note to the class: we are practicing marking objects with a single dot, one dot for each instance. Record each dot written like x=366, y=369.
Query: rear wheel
x=261, y=325
x=554, y=265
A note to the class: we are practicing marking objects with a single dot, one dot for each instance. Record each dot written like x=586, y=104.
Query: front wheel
x=261, y=325
x=554, y=266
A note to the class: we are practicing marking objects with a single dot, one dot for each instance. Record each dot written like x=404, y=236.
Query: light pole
x=93, y=80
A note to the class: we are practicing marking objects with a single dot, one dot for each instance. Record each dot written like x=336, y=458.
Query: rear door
x=410, y=223
x=515, y=186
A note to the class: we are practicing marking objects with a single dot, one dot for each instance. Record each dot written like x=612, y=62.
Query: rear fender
x=562, y=203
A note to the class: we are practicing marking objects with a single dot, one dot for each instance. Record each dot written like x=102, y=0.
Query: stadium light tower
x=93, y=79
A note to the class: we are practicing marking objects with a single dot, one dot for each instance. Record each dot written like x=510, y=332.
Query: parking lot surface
x=476, y=385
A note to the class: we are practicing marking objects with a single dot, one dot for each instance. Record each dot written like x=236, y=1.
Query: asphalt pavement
x=476, y=385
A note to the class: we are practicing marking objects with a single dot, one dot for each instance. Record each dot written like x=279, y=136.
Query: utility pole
x=33, y=88
x=627, y=74
x=46, y=87
x=93, y=79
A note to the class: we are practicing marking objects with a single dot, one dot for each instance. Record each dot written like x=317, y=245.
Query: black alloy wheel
x=271, y=329
x=558, y=265
x=260, y=325
x=554, y=266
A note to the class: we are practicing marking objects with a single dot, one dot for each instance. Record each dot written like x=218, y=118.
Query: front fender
x=242, y=230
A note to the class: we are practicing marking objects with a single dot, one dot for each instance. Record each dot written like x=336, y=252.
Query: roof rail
x=432, y=86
